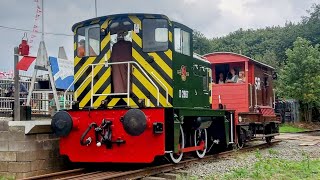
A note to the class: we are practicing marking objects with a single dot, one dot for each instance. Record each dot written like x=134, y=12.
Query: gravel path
x=287, y=149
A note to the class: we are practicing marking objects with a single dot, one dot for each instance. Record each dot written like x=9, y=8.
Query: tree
x=201, y=44
x=300, y=79
x=259, y=43
x=311, y=24
x=269, y=58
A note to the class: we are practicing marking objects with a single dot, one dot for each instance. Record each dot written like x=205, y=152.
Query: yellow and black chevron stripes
x=143, y=81
x=139, y=93
x=162, y=64
x=97, y=84
x=96, y=21
x=138, y=40
x=98, y=100
x=100, y=74
x=131, y=102
x=113, y=102
x=136, y=20
x=156, y=68
x=169, y=54
x=83, y=66
x=152, y=71
x=159, y=70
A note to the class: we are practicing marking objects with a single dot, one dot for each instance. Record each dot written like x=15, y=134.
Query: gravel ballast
x=287, y=149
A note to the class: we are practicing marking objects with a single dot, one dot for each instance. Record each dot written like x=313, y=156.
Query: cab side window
x=88, y=41
x=182, y=41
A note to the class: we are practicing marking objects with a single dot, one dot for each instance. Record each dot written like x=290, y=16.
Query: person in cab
x=121, y=52
x=82, y=49
x=242, y=78
x=233, y=78
x=221, y=79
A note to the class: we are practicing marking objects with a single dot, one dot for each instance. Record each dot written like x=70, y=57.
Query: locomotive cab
x=124, y=47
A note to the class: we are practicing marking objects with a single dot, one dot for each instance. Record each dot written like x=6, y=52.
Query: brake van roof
x=228, y=57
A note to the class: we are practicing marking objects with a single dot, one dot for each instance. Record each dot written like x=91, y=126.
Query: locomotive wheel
x=240, y=144
x=176, y=157
x=241, y=139
x=268, y=139
x=200, y=135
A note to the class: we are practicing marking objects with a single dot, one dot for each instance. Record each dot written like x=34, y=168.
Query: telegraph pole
x=95, y=7
x=42, y=21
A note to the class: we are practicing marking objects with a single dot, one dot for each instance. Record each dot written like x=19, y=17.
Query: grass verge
x=289, y=128
x=6, y=178
x=274, y=168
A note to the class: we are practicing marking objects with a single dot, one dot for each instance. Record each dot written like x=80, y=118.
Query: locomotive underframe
x=219, y=125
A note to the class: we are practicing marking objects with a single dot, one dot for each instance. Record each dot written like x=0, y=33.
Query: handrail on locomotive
x=167, y=95
x=114, y=94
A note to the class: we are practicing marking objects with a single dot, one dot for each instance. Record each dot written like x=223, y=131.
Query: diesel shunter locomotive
x=140, y=92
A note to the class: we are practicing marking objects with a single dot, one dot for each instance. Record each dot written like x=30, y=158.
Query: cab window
x=155, y=35
x=182, y=41
x=230, y=73
x=116, y=27
x=88, y=39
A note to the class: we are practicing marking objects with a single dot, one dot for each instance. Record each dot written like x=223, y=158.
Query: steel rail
x=57, y=175
x=81, y=174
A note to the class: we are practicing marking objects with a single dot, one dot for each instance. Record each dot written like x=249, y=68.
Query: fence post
x=16, y=107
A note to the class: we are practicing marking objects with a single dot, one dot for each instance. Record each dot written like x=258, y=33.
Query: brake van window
x=155, y=35
x=88, y=41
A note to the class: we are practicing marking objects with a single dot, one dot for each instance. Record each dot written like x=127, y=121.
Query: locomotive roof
x=199, y=57
x=102, y=18
x=250, y=59
x=182, y=25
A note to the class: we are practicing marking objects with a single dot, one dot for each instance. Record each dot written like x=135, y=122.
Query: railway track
x=307, y=131
x=83, y=174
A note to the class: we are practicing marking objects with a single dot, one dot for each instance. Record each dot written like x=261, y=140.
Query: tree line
x=293, y=50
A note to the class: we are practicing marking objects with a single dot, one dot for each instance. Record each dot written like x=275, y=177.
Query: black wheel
x=268, y=139
x=241, y=139
x=200, y=136
x=176, y=157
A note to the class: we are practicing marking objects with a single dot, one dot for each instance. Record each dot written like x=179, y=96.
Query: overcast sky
x=214, y=18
